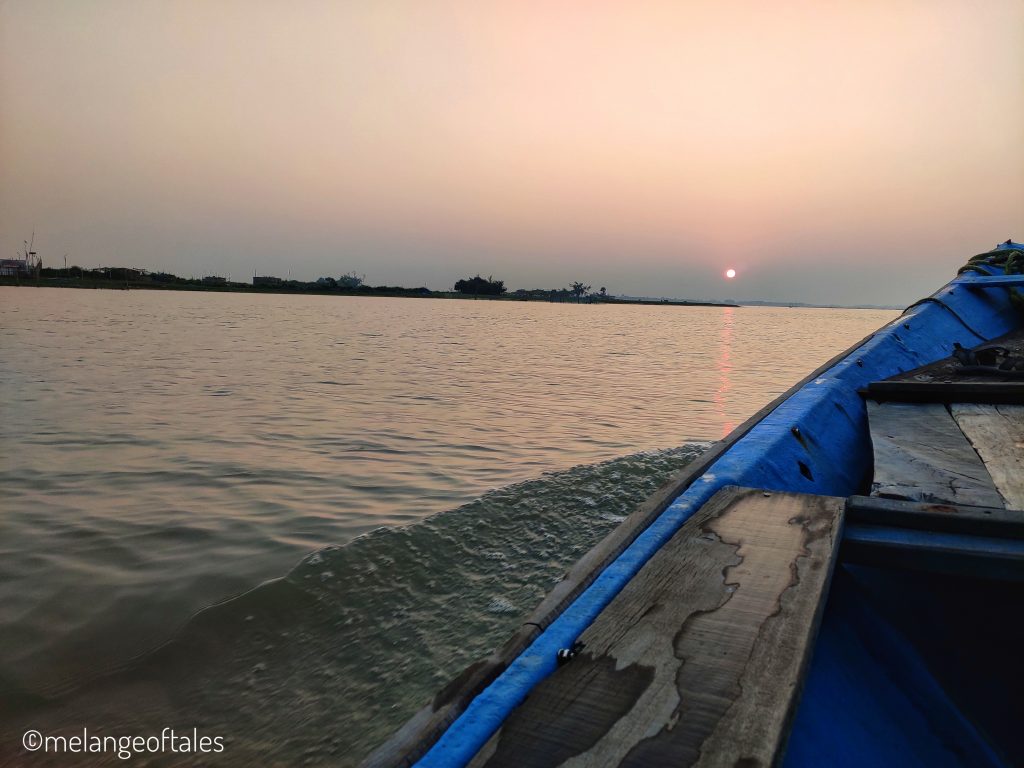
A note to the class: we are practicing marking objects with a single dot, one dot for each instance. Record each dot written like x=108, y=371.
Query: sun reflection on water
x=724, y=367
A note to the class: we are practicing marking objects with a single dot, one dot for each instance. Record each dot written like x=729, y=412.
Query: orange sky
x=837, y=152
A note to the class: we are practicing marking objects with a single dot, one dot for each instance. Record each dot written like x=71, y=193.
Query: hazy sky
x=851, y=152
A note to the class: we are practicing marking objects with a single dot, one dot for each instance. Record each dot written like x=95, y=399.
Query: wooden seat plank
x=699, y=660
x=997, y=434
x=937, y=551
x=945, y=518
x=921, y=455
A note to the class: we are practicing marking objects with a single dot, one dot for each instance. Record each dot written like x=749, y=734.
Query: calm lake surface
x=288, y=520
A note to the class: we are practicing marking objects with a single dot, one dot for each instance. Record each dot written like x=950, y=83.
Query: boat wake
x=321, y=665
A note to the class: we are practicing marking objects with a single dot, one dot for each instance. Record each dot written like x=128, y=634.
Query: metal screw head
x=565, y=655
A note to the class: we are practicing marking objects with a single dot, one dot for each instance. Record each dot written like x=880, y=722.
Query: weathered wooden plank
x=946, y=518
x=921, y=455
x=997, y=434
x=699, y=660
x=1011, y=393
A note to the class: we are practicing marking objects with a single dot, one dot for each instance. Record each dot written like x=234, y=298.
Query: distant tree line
x=141, y=278
x=579, y=292
x=349, y=283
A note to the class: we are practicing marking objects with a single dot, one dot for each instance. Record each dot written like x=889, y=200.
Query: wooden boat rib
x=763, y=609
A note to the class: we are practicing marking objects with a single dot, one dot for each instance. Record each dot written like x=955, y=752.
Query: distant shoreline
x=410, y=293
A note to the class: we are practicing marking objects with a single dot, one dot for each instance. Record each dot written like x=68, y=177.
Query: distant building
x=266, y=280
x=14, y=267
x=214, y=280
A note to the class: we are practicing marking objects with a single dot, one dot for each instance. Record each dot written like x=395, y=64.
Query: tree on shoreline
x=479, y=286
x=579, y=290
x=350, y=280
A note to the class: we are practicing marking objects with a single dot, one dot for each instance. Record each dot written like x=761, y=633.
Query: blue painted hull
x=872, y=696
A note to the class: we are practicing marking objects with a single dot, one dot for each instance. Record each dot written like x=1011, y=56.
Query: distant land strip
x=123, y=278
x=154, y=283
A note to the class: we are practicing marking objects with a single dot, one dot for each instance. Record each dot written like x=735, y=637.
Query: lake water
x=288, y=520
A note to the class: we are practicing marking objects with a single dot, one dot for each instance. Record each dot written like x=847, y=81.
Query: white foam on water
x=500, y=605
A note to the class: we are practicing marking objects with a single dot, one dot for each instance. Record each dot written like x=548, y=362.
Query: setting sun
x=730, y=273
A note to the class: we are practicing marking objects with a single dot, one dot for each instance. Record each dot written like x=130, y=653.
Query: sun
x=730, y=273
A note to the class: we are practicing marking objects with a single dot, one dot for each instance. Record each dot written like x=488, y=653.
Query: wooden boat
x=839, y=582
